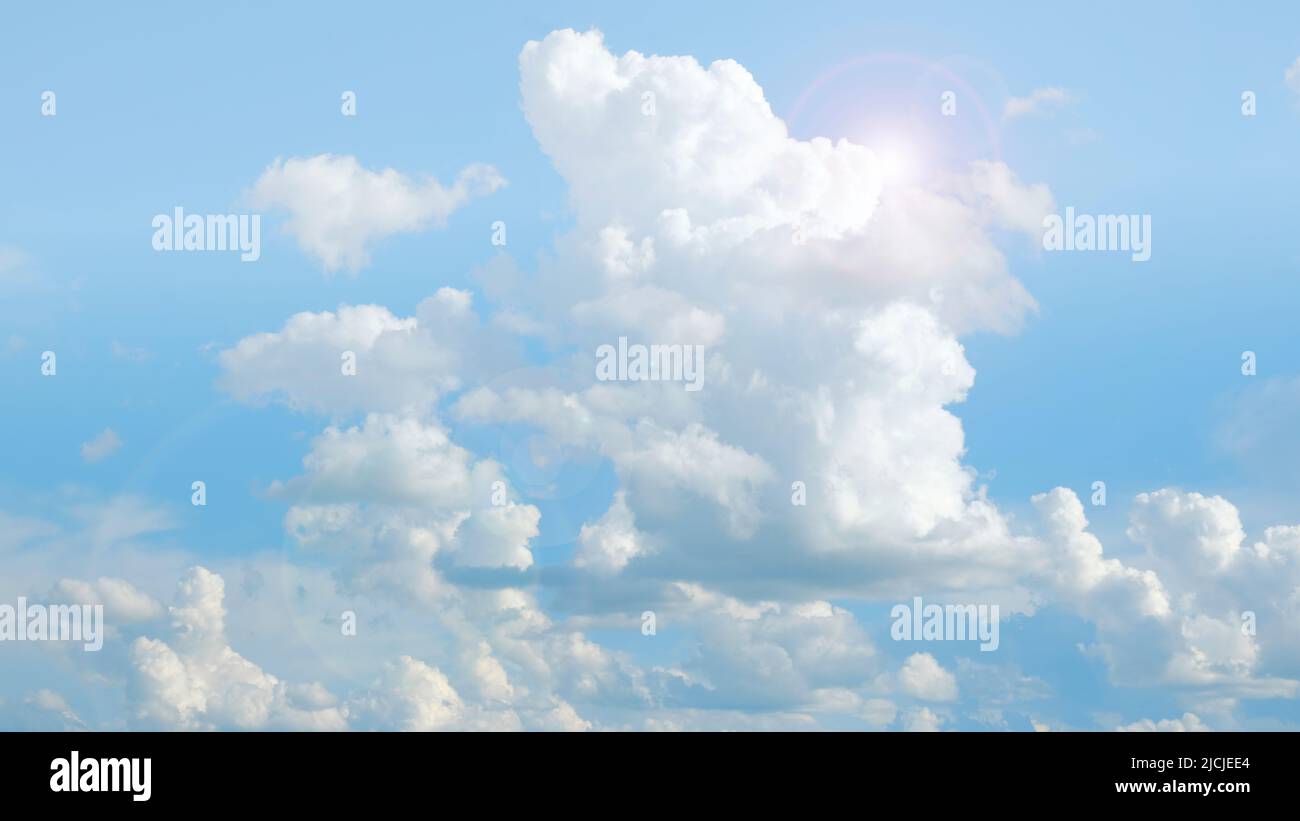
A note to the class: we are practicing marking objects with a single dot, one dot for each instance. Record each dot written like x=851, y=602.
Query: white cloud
x=923, y=720
x=498, y=536
x=394, y=495
x=879, y=712
x=411, y=696
x=1100, y=588
x=768, y=655
x=363, y=357
x=387, y=459
x=120, y=519
x=747, y=238
x=199, y=682
x=502, y=666
x=1189, y=723
x=794, y=224
x=1130, y=607
x=338, y=209
x=562, y=718
x=1187, y=532
x=995, y=190
x=923, y=677
x=832, y=305
x=48, y=701
x=1039, y=100
x=612, y=541
x=102, y=446
x=121, y=600
x=1186, y=626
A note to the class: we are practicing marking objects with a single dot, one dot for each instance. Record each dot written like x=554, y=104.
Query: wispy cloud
x=1039, y=100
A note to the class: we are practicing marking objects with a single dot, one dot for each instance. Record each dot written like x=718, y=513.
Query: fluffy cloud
x=923, y=677
x=712, y=182
x=362, y=357
x=388, y=459
x=822, y=462
x=1100, y=588
x=705, y=222
x=1188, y=626
x=1187, y=532
x=767, y=654
x=337, y=208
x=1189, y=723
x=198, y=682
x=607, y=545
x=814, y=243
x=413, y=696
x=923, y=720
x=395, y=496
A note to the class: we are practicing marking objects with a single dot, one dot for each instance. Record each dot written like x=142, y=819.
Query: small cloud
x=338, y=209
x=922, y=677
x=101, y=447
x=48, y=701
x=923, y=720
x=1189, y=723
x=15, y=267
x=1039, y=100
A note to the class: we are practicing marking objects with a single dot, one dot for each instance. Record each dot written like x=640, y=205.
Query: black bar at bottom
x=331, y=771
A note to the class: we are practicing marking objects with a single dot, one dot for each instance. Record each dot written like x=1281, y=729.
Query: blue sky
x=1125, y=373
